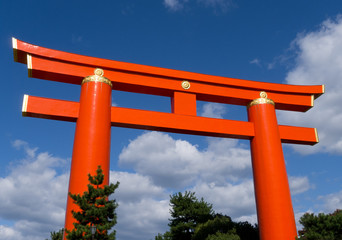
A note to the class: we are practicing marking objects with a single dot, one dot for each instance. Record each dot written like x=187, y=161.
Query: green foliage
x=321, y=227
x=56, y=235
x=222, y=227
x=223, y=236
x=221, y=224
x=187, y=212
x=95, y=210
x=194, y=219
x=165, y=236
x=246, y=231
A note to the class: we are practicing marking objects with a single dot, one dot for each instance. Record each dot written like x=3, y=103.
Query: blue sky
x=296, y=42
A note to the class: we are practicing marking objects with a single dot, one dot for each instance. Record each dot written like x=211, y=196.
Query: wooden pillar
x=92, y=137
x=273, y=199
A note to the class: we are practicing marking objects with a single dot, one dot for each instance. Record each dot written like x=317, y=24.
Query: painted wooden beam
x=168, y=122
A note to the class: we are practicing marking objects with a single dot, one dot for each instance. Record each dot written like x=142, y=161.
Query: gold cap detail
x=262, y=100
x=185, y=85
x=98, y=77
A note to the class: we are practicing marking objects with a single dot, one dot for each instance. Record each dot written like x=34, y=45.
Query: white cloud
x=213, y=110
x=178, y=164
x=252, y=219
x=221, y=174
x=134, y=187
x=33, y=195
x=234, y=200
x=19, y=144
x=143, y=207
x=329, y=203
x=174, y=5
x=299, y=184
x=33, y=200
x=162, y=158
x=8, y=233
x=217, y=5
x=319, y=61
x=143, y=219
x=332, y=202
x=255, y=61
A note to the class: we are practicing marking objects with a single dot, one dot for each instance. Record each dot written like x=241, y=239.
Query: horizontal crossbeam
x=167, y=122
x=66, y=67
x=123, y=81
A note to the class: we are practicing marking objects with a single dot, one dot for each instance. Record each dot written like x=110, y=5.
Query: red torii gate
x=94, y=117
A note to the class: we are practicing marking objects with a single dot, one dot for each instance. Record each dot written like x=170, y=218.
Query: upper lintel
x=286, y=97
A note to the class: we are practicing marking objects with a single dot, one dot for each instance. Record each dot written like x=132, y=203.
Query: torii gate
x=94, y=117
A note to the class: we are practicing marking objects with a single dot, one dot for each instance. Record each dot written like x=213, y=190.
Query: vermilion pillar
x=92, y=137
x=273, y=199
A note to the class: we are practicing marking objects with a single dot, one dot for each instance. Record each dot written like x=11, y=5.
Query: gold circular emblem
x=263, y=94
x=185, y=85
x=98, y=72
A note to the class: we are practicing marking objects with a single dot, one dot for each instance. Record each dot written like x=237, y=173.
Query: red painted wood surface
x=272, y=193
x=71, y=68
x=92, y=141
x=168, y=122
x=183, y=103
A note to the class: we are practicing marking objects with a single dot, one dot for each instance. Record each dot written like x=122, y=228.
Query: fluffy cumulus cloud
x=220, y=173
x=319, y=61
x=299, y=184
x=10, y=233
x=213, y=110
x=143, y=207
x=178, y=164
x=331, y=202
x=33, y=196
x=235, y=200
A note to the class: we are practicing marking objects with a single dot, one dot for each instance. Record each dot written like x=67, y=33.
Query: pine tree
x=193, y=219
x=321, y=226
x=187, y=212
x=56, y=235
x=95, y=210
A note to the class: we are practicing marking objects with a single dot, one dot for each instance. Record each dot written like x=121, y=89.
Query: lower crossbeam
x=166, y=122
